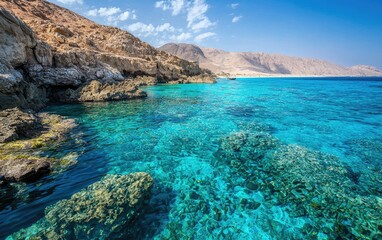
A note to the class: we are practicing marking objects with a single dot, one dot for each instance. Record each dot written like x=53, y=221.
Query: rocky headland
x=50, y=54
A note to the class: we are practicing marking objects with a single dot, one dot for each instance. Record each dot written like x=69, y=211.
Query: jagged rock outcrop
x=16, y=124
x=98, y=91
x=254, y=64
x=103, y=210
x=48, y=50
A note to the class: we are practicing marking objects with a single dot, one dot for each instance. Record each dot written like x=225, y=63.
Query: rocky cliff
x=51, y=53
x=253, y=64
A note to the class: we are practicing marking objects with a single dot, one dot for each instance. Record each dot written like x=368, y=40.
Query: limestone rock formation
x=49, y=50
x=98, y=91
x=255, y=64
x=103, y=210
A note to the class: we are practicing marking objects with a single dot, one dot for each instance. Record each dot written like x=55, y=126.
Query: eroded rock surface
x=24, y=170
x=48, y=50
x=101, y=91
x=17, y=124
x=103, y=210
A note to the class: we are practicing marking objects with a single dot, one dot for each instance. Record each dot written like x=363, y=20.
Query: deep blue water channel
x=175, y=133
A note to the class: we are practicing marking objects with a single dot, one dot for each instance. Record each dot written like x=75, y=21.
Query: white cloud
x=92, y=13
x=146, y=30
x=113, y=15
x=234, y=5
x=124, y=16
x=166, y=27
x=104, y=12
x=163, y=5
x=181, y=37
x=196, y=12
x=141, y=28
x=196, y=18
x=235, y=19
x=176, y=6
x=71, y=1
x=203, y=36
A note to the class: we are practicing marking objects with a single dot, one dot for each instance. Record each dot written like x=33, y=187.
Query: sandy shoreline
x=295, y=76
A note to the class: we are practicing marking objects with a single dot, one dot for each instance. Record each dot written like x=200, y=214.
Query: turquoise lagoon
x=177, y=134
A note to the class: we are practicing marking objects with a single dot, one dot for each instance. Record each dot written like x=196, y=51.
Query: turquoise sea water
x=179, y=133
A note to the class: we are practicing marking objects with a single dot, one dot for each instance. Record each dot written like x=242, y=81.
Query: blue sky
x=347, y=32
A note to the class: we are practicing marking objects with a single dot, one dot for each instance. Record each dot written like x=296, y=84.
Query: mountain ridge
x=263, y=64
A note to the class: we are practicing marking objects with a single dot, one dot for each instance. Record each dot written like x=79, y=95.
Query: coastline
x=294, y=76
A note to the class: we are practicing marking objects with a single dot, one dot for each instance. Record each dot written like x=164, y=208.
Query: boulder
x=24, y=135
x=17, y=124
x=96, y=91
x=24, y=170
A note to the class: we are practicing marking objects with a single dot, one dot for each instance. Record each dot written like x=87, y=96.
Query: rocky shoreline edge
x=45, y=59
x=38, y=68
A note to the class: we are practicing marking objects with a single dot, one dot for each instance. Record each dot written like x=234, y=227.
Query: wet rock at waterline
x=96, y=91
x=103, y=210
x=24, y=170
x=28, y=134
x=17, y=124
x=49, y=58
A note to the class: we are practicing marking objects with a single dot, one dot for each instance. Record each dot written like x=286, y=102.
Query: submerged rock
x=318, y=185
x=312, y=184
x=241, y=146
x=20, y=159
x=103, y=210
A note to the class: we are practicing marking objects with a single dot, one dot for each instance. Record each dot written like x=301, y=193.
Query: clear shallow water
x=175, y=134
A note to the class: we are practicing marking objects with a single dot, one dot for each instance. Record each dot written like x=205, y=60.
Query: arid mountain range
x=262, y=64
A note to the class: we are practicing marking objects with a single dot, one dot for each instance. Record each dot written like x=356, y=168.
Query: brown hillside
x=75, y=40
